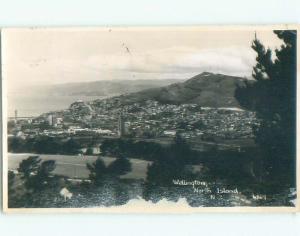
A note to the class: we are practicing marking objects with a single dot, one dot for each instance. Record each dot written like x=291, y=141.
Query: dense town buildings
x=149, y=119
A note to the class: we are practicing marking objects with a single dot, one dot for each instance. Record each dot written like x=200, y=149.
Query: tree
x=170, y=163
x=10, y=182
x=97, y=171
x=71, y=147
x=46, y=145
x=29, y=167
x=89, y=151
x=16, y=144
x=43, y=178
x=120, y=166
x=36, y=174
x=272, y=95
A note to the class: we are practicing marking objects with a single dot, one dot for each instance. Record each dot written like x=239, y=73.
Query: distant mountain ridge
x=108, y=87
x=206, y=89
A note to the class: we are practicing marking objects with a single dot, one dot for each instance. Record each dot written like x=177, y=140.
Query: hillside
x=205, y=89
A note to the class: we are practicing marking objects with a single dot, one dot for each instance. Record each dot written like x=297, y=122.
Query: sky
x=49, y=56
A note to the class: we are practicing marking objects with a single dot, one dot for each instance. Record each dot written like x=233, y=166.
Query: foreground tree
x=10, y=182
x=44, y=176
x=40, y=186
x=29, y=167
x=89, y=151
x=170, y=164
x=120, y=166
x=99, y=172
x=37, y=175
x=272, y=95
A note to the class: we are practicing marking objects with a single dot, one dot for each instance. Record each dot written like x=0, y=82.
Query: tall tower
x=121, y=125
x=16, y=116
x=50, y=120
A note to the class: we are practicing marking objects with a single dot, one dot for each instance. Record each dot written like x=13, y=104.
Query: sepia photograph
x=169, y=119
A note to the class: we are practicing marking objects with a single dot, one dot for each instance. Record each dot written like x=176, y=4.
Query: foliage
x=44, y=145
x=99, y=172
x=272, y=95
x=10, y=182
x=29, y=166
x=120, y=166
x=127, y=147
x=47, y=145
x=16, y=145
x=36, y=174
x=71, y=147
x=170, y=164
x=89, y=151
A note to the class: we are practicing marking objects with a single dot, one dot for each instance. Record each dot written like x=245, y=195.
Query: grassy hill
x=206, y=89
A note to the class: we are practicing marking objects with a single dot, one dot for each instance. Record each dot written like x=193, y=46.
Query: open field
x=75, y=166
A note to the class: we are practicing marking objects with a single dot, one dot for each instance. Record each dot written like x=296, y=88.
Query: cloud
x=233, y=61
x=173, y=62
